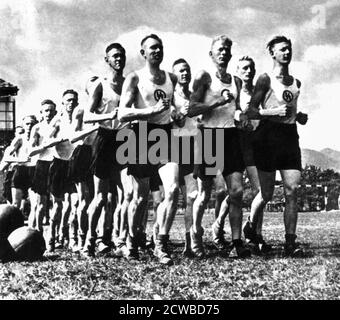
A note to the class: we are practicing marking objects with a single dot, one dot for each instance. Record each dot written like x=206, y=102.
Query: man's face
x=282, y=52
x=246, y=70
x=28, y=123
x=183, y=73
x=116, y=59
x=48, y=112
x=221, y=53
x=153, y=51
x=70, y=101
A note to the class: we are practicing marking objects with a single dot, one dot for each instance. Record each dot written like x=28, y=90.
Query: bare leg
x=166, y=210
x=54, y=218
x=101, y=188
x=196, y=231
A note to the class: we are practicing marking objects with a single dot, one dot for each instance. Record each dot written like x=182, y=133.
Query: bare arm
x=129, y=93
x=261, y=88
x=15, y=145
x=95, y=97
x=200, y=86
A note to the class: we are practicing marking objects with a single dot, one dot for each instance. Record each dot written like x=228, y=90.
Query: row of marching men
x=76, y=154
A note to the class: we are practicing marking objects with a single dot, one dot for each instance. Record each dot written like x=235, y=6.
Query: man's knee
x=173, y=192
x=221, y=194
x=291, y=190
x=236, y=193
x=100, y=200
x=128, y=195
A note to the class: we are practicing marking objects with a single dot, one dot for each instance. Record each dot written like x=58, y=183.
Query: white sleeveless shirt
x=149, y=94
x=45, y=131
x=280, y=94
x=109, y=102
x=222, y=116
x=24, y=150
x=245, y=97
x=190, y=125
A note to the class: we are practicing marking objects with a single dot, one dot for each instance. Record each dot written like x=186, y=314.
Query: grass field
x=67, y=275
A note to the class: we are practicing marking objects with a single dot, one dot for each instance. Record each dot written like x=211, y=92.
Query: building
x=7, y=112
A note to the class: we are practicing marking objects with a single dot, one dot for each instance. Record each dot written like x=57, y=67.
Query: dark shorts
x=104, y=151
x=276, y=147
x=186, y=157
x=145, y=166
x=155, y=182
x=22, y=178
x=230, y=150
x=246, y=143
x=7, y=193
x=59, y=179
x=80, y=164
x=40, y=183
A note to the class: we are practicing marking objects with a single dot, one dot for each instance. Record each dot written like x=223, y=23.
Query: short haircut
x=178, y=61
x=71, y=91
x=115, y=45
x=223, y=38
x=247, y=58
x=32, y=117
x=152, y=36
x=48, y=101
x=275, y=40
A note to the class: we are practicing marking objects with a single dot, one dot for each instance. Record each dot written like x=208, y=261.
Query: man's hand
x=280, y=111
x=162, y=104
x=178, y=118
x=302, y=118
x=185, y=109
x=227, y=95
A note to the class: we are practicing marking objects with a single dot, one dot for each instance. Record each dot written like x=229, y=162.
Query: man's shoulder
x=203, y=75
x=132, y=77
x=263, y=80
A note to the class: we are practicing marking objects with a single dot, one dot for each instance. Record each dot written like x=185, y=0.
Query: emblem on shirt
x=159, y=94
x=287, y=96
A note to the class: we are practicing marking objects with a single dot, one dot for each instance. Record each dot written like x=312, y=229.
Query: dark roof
x=7, y=88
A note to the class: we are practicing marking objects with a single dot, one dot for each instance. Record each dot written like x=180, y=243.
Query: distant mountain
x=325, y=159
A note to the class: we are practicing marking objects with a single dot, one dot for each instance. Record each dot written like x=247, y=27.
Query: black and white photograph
x=169, y=155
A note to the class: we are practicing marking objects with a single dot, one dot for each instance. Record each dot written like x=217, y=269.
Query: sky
x=48, y=46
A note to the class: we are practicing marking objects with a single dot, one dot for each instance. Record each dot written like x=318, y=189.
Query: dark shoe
x=261, y=247
x=161, y=250
x=249, y=231
x=238, y=250
x=293, y=250
x=89, y=248
x=218, y=239
x=196, y=240
x=132, y=255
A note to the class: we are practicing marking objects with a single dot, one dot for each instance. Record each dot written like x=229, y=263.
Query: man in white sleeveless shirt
x=150, y=91
x=102, y=108
x=42, y=132
x=24, y=168
x=63, y=190
x=276, y=141
x=253, y=227
x=186, y=133
x=218, y=118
